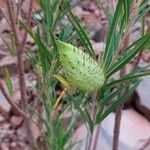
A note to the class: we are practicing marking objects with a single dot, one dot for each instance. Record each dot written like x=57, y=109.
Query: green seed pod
x=81, y=70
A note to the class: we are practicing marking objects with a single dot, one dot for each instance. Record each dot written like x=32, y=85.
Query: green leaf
x=44, y=54
x=31, y=58
x=86, y=116
x=131, y=76
x=117, y=103
x=142, y=14
x=112, y=30
x=129, y=54
x=114, y=94
x=66, y=31
x=143, y=5
x=80, y=30
x=109, y=96
x=8, y=81
x=27, y=29
x=68, y=34
x=127, y=4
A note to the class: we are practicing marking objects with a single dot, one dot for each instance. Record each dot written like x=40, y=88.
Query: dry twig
x=123, y=44
x=137, y=61
x=20, y=64
x=11, y=102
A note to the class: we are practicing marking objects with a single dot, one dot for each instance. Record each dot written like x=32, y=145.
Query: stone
x=134, y=132
x=143, y=92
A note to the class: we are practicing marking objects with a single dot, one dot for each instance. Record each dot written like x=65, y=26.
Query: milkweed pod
x=81, y=70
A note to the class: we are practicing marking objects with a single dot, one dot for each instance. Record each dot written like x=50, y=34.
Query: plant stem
x=118, y=115
x=137, y=61
x=28, y=24
x=119, y=110
x=20, y=66
x=11, y=102
x=123, y=44
x=117, y=128
x=90, y=137
x=96, y=138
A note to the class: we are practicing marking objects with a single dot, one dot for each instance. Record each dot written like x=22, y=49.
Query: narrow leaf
x=117, y=103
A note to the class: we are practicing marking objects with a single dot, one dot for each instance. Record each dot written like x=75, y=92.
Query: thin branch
x=20, y=65
x=28, y=24
x=96, y=138
x=123, y=44
x=12, y=20
x=19, y=47
x=93, y=115
x=18, y=8
x=137, y=61
x=10, y=101
x=119, y=110
x=118, y=115
x=117, y=124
